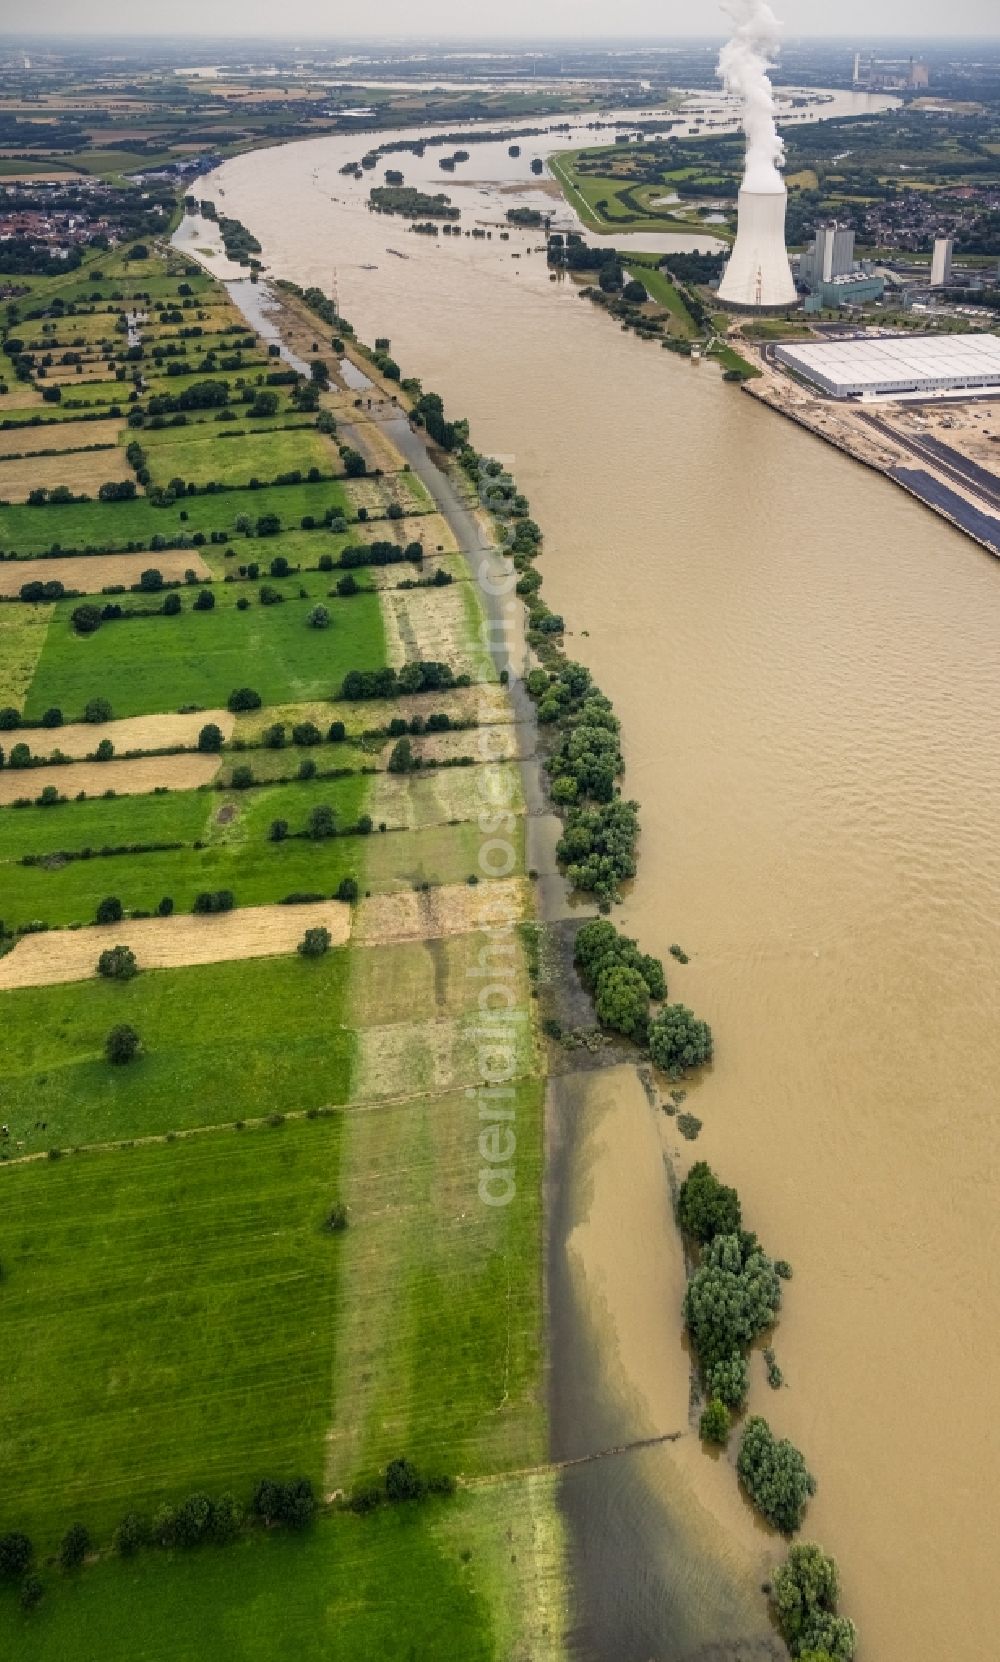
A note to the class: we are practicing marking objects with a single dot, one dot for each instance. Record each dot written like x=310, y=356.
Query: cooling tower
x=758, y=276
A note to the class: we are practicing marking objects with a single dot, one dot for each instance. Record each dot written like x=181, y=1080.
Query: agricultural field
x=237, y=459
x=399, y=1584
x=183, y=1313
x=113, y=525
x=167, y=1362
x=71, y=435
x=197, y=658
x=258, y=871
x=79, y=470
x=205, y=1062
x=22, y=634
x=90, y=573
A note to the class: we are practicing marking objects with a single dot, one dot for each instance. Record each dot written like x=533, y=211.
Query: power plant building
x=831, y=255
x=887, y=365
x=857, y=288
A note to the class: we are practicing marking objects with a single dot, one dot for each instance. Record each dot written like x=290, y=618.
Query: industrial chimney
x=758, y=275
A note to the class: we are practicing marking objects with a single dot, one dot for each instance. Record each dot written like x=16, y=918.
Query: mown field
x=169, y=1321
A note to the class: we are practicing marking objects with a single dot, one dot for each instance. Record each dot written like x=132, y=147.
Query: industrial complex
x=890, y=366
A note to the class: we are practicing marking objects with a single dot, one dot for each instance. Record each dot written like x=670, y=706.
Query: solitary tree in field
x=210, y=738
x=118, y=963
x=110, y=910
x=315, y=943
x=122, y=1044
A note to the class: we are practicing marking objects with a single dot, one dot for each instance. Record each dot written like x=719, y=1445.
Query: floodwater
x=807, y=665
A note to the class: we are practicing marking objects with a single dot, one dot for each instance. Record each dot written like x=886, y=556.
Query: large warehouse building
x=886, y=365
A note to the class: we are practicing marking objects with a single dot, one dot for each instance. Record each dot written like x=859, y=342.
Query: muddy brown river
x=807, y=666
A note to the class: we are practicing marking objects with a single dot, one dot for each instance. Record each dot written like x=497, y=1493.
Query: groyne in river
x=807, y=668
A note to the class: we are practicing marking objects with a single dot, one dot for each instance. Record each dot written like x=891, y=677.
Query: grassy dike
x=182, y=1320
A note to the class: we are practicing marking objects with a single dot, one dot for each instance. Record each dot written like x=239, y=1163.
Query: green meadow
x=169, y=1322
x=197, y=658
x=79, y=525
x=258, y=872
x=407, y=1584
x=235, y=461
x=222, y=1042
x=170, y=816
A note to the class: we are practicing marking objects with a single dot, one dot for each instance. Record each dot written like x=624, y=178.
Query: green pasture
x=197, y=658
x=170, y=1317
x=663, y=292
x=78, y=525
x=407, y=1584
x=258, y=872
x=45, y=415
x=169, y=816
x=227, y=1041
x=237, y=460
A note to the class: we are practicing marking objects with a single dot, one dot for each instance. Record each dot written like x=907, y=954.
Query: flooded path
x=807, y=666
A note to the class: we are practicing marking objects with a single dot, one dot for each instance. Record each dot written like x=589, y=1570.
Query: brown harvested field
x=496, y=742
x=260, y=95
x=79, y=738
x=125, y=778
x=27, y=398
x=83, y=471
x=394, y=577
x=371, y=438
x=57, y=435
x=440, y=625
x=94, y=368
x=171, y=943
x=453, y=909
x=401, y=490
x=30, y=178
x=430, y=529
x=90, y=572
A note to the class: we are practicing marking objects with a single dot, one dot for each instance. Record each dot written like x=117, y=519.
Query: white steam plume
x=743, y=64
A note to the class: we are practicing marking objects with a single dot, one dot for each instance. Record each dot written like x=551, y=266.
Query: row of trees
x=625, y=983
x=732, y=1298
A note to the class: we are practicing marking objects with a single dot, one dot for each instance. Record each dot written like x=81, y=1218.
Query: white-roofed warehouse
x=912, y=363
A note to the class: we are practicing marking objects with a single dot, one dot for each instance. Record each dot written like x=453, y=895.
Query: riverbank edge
x=770, y=397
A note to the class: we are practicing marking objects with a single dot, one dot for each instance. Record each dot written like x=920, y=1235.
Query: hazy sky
x=578, y=18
